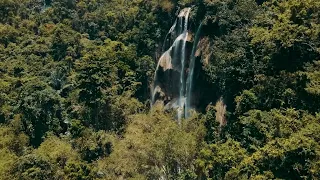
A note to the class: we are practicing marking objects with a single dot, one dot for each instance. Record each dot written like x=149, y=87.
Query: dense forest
x=75, y=78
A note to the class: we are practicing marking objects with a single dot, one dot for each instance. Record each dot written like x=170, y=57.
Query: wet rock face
x=165, y=62
x=204, y=50
x=221, y=110
x=183, y=13
x=168, y=74
x=167, y=83
x=202, y=92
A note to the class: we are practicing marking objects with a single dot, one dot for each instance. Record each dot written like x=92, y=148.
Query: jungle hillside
x=88, y=90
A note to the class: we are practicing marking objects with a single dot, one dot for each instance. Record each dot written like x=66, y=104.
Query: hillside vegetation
x=75, y=86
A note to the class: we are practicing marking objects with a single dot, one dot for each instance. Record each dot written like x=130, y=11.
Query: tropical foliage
x=75, y=78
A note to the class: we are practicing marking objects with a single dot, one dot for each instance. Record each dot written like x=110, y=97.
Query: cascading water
x=171, y=58
x=173, y=77
x=191, y=72
x=170, y=31
x=165, y=62
x=181, y=99
x=170, y=76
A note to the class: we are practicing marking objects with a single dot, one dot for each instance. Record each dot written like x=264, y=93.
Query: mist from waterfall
x=173, y=63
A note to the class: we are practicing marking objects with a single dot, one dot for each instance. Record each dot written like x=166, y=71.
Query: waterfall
x=172, y=84
x=191, y=71
x=181, y=99
x=170, y=31
x=166, y=62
